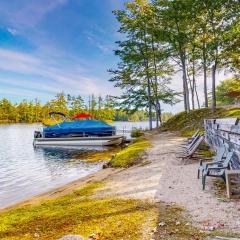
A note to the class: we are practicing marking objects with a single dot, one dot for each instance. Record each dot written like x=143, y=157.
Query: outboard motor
x=37, y=134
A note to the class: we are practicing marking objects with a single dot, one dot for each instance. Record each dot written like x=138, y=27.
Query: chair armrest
x=206, y=163
x=214, y=163
x=216, y=168
x=204, y=159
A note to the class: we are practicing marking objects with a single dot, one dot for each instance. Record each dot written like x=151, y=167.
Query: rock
x=36, y=235
x=162, y=224
x=154, y=230
x=221, y=238
x=107, y=165
x=209, y=228
x=71, y=237
x=177, y=223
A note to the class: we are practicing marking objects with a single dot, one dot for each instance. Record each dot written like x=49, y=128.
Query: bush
x=131, y=155
x=137, y=133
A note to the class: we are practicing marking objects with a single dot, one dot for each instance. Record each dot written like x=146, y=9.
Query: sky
x=50, y=46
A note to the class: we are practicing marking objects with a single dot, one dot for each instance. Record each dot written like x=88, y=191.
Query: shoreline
x=160, y=178
x=65, y=189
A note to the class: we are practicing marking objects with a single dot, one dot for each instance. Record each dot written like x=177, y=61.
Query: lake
x=26, y=171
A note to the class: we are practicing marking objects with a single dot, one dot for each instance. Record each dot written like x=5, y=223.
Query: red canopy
x=83, y=116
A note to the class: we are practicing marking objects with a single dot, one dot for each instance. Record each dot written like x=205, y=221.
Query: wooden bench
x=233, y=183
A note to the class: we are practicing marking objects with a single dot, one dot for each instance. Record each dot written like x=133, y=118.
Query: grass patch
x=173, y=225
x=188, y=123
x=131, y=155
x=205, y=151
x=79, y=213
x=95, y=156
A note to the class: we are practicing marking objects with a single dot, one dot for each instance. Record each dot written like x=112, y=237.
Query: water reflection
x=26, y=171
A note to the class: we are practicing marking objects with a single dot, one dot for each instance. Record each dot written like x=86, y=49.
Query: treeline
x=32, y=111
x=163, y=38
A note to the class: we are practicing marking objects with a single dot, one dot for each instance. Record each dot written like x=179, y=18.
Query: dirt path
x=161, y=177
x=165, y=178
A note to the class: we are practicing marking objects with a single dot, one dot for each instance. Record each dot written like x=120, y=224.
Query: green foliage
x=131, y=155
x=33, y=111
x=188, y=123
x=166, y=116
x=137, y=133
x=228, y=86
x=143, y=72
x=161, y=38
x=79, y=213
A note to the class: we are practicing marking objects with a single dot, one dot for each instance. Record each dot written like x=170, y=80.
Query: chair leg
x=198, y=173
x=204, y=181
x=224, y=178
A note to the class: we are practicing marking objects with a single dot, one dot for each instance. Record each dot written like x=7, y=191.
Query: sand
x=162, y=177
x=169, y=179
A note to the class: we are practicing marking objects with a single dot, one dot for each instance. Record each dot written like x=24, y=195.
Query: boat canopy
x=82, y=127
x=83, y=116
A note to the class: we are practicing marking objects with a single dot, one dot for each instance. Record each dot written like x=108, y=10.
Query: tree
x=174, y=18
x=143, y=67
x=76, y=104
x=228, y=91
x=220, y=17
x=59, y=104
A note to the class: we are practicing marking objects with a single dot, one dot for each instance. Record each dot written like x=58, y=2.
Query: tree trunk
x=149, y=103
x=159, y=112
x=197, y=96
x=146, y=63
x=157, y=115
x=194, y=83
x=214, y=102
x=191, y=88
x=205, y=76
x=185, y=88
x=155, y=84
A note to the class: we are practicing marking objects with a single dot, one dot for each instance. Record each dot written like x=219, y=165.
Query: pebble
x=162, y=224
x=221, y=238
x=71, y=237
x=36, y=235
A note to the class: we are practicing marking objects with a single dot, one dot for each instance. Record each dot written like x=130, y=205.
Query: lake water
x=26, y=171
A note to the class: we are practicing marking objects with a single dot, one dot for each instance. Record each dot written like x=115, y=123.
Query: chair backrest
x=196, y=145
x=228, y=159
x=220, y=154
x=193, y=142
x=195, y=134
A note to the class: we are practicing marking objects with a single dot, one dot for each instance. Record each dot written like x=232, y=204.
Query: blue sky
x=49, y=46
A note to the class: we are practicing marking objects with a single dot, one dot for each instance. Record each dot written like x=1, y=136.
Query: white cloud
x=29, y=13
x=70, y=79
x=13, y=31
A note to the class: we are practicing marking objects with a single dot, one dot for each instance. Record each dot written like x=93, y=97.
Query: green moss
x=79, y=213
x=131, y=155
x=188, y=123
